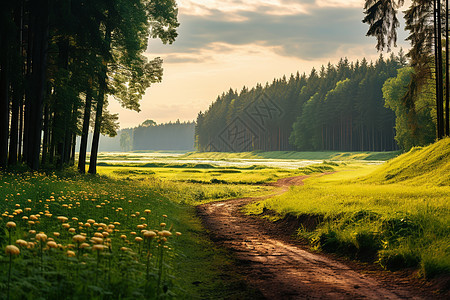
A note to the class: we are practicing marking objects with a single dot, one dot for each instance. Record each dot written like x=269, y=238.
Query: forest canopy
x=340, y=107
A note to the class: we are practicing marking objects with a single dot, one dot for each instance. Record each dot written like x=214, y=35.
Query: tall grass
x=400, y=221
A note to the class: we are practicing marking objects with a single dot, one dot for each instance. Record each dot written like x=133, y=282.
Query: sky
x=225, y=44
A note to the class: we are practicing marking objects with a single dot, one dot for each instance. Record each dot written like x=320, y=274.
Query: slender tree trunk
x=440, y=61
x=101, y=98
x=438, y=67
x=28, y=94
x=97, y=125
x=46, y=135
x=85, y=132
x=74, y=144
x=447, y=78
x=19, y=150
x=38, y=86
x=4, y=97
x=16, y=85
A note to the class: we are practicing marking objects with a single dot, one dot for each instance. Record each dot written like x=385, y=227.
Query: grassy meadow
x=131, y=232
x=396, y=214
x=100, y=237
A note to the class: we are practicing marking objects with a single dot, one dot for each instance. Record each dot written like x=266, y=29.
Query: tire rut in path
x=282, y=270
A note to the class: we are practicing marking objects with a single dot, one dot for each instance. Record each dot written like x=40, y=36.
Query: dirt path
x=279, y=268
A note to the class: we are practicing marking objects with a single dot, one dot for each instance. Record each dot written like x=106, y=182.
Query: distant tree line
x=171, y=136
x=336, y=108
x=60, y=60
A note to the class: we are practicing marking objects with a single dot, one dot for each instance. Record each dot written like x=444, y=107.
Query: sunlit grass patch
x=398, y=226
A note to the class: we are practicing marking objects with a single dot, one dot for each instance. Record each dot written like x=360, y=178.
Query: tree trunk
x=38, y=85
x=85, y=132
x=100, y=100
x=438, y=68
x=4, y=99
x=97, y=125
x=46, y=135
x=447, y=78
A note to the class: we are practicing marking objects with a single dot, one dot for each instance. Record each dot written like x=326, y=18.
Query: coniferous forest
x=61, y=60
x=340, y=107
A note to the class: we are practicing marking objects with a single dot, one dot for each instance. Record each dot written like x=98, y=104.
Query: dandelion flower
x=78, y=238
x=70, y=253
x=178, y=233
x=52, y=244
x=22, y=243
x=96, y=240
x=138, y=239
x=57, y=234
x=98, y=247
x=147, y=211
x=32, y=231
x=11, y=224
x=84, y=245
x=162, y=224
x=123, y=236
x=41, y=237
x=149, y=234
x=165, y=233
x=12, y=250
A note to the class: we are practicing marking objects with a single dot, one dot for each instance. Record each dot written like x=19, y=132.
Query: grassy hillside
x=366, y=212
x=421, y=166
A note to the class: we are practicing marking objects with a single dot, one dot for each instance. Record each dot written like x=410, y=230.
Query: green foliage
x=413, y=127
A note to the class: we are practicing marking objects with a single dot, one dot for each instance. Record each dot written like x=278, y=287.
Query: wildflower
x=41, y=237
x=178, y=233
x=149, y=234
x=96, y=240
x=11, y=224
x=22, y=243
x=72, y=230
x=98, y=247
x=57, y=234
x=52, y=244
x=138, y=239
x=162, y=224
x=78, y=238
x=32, y=231
x=164, y=216
x=66, y=225
x=70, y=253
x=62, y=219
x=84, y=245
x=123, y=236
x=147, y=211
x=98, y=234
x=124, y=249
x=12, y=250
x=165, y=233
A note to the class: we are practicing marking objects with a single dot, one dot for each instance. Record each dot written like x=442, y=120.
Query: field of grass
x=396, y=214
x=83, y=236
x=336, y=156
x=97, y=231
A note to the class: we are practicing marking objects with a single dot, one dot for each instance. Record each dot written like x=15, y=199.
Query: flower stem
x=9, y=275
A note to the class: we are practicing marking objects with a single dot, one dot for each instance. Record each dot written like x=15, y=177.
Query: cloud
x=313, y=34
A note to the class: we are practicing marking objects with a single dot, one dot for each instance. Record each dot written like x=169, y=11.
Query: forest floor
x=283, y=267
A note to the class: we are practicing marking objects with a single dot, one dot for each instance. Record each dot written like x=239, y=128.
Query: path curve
x=279, y=268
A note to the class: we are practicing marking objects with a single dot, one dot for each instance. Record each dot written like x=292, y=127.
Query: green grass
x=337, y=156
x=192, y=266
x=396, y=214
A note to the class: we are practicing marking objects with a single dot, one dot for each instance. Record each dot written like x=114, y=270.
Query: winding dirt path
x=278, y=267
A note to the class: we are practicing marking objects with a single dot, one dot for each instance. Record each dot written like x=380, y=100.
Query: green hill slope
x=428, y=165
